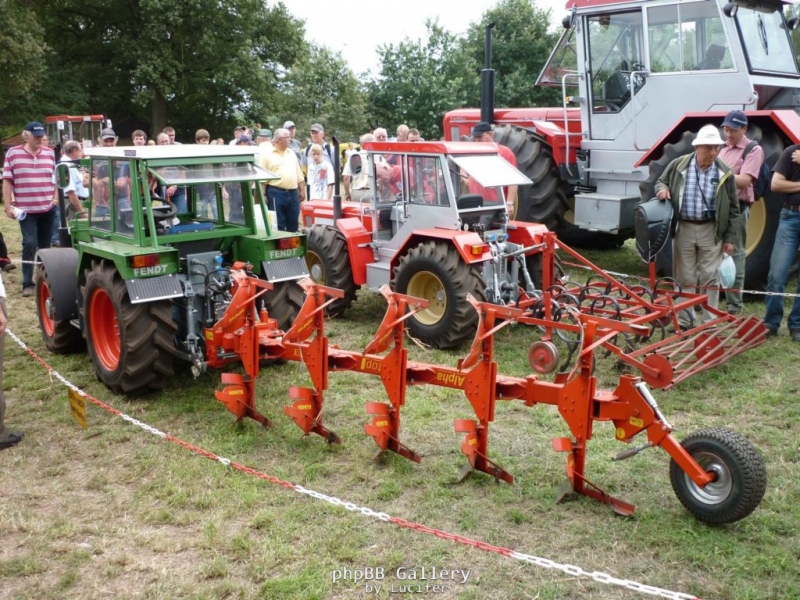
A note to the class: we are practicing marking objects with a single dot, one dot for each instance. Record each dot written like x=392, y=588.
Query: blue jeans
x=287, y=207
x=784, y=252
x=37, y=232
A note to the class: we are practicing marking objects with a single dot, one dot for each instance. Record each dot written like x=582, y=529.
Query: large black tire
x=131, y=345
x=60, y=336
x=545, y=201
x=741, y=477
x=764, y=215
x=436, y=272
x=329, y=264
x=283, y=303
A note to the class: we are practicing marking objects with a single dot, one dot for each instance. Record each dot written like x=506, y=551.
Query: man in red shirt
x=28, y=186
x=482, y=132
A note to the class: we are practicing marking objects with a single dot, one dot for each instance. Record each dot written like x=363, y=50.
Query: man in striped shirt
x=29, y=184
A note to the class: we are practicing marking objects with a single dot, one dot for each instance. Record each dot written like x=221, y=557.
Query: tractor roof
x=75, y=119
x=431, y=147
x=583, y=4
x=173, y=151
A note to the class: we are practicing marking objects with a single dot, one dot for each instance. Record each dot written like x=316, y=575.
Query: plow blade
x=237, y=398
x=474, y=448
x=384, y=430
x=306, y=412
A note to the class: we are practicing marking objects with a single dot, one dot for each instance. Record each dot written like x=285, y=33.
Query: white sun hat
x=708, y=136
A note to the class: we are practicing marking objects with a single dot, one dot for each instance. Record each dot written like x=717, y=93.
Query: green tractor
x=147, y=267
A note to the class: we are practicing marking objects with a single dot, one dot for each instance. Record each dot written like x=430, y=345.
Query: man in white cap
x=294, y=144
x=702, y=189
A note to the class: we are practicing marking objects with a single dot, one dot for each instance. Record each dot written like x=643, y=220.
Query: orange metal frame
x=248, y=336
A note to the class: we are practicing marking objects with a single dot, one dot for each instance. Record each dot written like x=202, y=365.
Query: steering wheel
x=163, y=212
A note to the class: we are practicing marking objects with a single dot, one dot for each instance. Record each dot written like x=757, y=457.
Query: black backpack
x=762, y=184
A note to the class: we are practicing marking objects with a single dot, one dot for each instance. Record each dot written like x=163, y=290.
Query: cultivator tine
x=384, y=430
x=238, y=398
x=474, y=448
x=307, y=413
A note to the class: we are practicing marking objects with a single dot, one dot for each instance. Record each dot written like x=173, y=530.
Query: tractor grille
x=153, y=288
x=195, y=247
x=283, y=270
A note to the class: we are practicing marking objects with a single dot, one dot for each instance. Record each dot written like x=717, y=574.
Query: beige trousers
x=695, y=260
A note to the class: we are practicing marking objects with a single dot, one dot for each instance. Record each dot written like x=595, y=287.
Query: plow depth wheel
x=329, y=264
x=741, y=477
x=132, y=345
x=434, y=271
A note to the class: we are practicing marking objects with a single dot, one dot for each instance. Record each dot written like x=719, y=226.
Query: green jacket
x=726, y=200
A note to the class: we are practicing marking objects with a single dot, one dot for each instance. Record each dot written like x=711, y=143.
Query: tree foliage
x=320, y=87
x=419, y=81
x=521, y=45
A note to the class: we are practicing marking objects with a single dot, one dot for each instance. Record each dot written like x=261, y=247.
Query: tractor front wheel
x=132, y=345
x=435, y=272
x=740, y=477
x=329, y=264
x=60, y=336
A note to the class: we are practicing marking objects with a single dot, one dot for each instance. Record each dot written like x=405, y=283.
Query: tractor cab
x=454, y=186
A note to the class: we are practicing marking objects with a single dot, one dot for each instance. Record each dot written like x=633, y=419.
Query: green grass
x=112, y=511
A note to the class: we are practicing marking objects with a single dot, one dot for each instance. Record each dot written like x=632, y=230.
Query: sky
x=357, y=27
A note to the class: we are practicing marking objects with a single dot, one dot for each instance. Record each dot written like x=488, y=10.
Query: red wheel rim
x=48, y=325
x=104, y=329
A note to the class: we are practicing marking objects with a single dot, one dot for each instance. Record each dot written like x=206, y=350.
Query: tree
x=320, y=87
x=22, y=60
x=189, y=63
x=419, y=81
x=521, y=46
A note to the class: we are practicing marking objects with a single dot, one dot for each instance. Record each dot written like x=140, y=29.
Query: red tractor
x=435, y=226
x=638, y=79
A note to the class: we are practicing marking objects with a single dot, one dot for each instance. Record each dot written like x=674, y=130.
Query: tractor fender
x=462, y=240
x=786, y=121
x=62, y=273
x=526, y=234
x=359, y=247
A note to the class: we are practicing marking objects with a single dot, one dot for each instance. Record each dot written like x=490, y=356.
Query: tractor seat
x=468, y=201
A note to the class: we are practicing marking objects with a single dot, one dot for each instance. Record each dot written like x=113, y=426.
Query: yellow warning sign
x=77, y=406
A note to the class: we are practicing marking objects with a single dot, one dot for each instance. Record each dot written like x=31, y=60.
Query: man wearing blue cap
x=28, y=179
x=746, y=170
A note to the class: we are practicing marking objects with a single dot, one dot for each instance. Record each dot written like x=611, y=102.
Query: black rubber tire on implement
x=329, y=264
x=436, y=272
x=545, y=201
x=283, y=302
x=131, y=345
x=741, y=476
x=60, y=336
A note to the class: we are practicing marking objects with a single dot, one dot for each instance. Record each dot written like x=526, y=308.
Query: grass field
x=114, y=512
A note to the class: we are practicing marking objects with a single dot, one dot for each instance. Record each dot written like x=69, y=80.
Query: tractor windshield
x=766, y=39
x=563, y=61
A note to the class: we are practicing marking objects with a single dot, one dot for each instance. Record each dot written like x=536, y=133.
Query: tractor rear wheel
x=60, y=336
x=329, y=264
x=435, y=271
x=546, y=200
x=131, y=345
x=283, y=302
x=740, y=476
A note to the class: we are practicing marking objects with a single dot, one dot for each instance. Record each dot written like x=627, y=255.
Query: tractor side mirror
x=792, y=23
x=730, y=9
x=62, y=175
x=568, y=21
